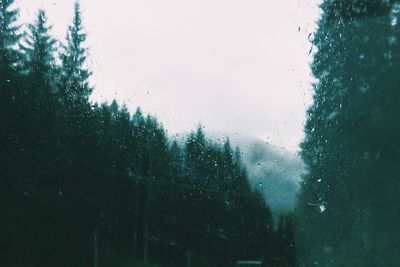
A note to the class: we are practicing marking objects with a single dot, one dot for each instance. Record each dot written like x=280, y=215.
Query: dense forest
x=87, y=184
x=348, y=210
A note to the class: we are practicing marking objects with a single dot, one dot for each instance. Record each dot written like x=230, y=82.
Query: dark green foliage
x=9, y=37
x=217, y=189
x=39, y=52
x=346, y=207
x=286, y=256
x=74, y=87
x=9, y=59
x=355, y=9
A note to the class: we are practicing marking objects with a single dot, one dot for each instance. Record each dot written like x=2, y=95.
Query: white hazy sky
x=238, y=66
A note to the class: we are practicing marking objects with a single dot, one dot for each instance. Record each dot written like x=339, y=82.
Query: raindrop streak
x=321, y=207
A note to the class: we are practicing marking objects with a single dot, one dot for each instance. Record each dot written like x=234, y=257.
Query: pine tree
x=39, y=51
x=41, y=108
x=74, y=87
x=39, y=70
x=176, y=161
x=195, y=152
x=11, y=114
x=9, y=39
x=348, y=135
x=10, y=84
x=10, y=81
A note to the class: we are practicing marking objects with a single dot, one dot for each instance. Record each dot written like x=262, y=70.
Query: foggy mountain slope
x=274, y=171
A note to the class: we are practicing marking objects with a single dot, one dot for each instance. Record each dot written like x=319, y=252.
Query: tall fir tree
x=39, y=51
x=195, y=151
x=38, y=68
x=9, y=38
x=10, y=80
x=349, y=144
x=9, y=63
x=11, y=112
x=76, y=119
x=74, y=87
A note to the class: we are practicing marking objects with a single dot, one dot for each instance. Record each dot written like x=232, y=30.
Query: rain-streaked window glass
x=199, y=133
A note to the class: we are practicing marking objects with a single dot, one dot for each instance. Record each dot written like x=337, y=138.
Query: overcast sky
x=238, y=66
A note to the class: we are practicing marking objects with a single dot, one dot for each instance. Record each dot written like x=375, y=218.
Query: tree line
x=87, y=184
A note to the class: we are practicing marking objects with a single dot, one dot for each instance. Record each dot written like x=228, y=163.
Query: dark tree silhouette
x=343, y=212
x=74, y=87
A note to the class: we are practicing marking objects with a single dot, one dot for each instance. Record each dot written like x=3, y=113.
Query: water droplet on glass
x=394, y=21
x=322, y=208
x=43, y=17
